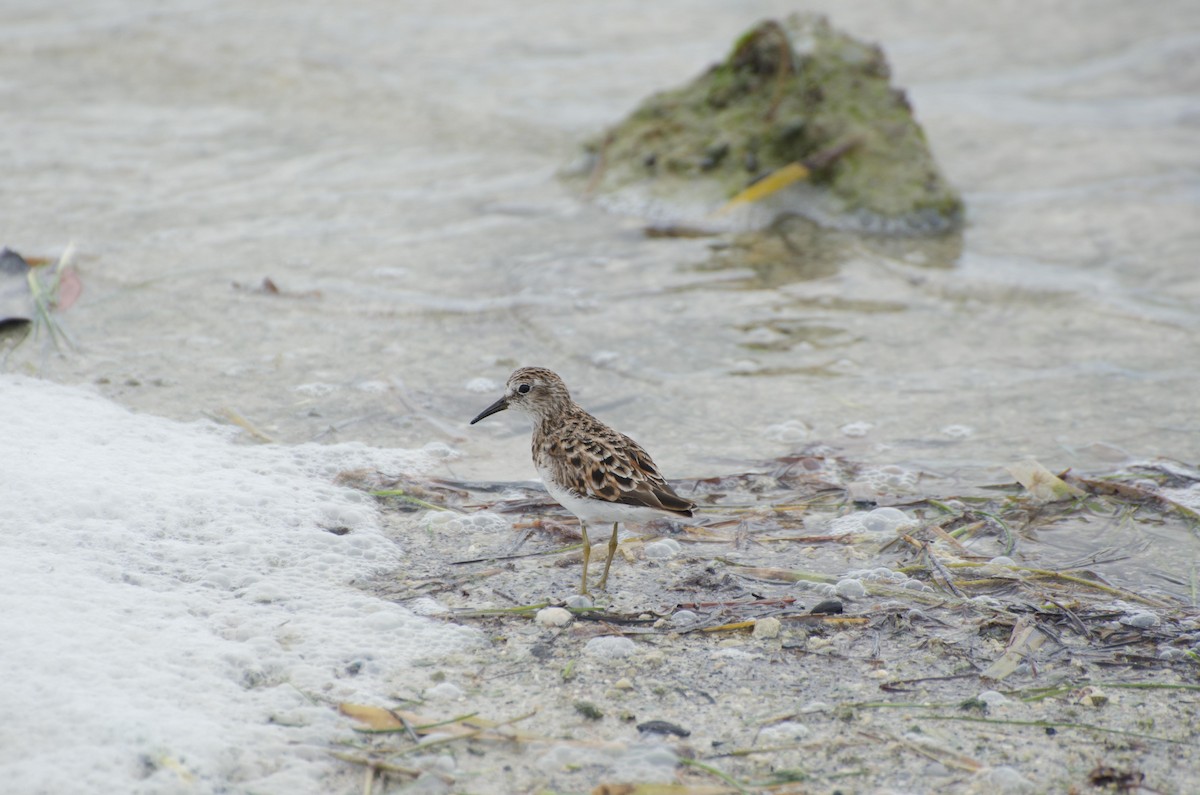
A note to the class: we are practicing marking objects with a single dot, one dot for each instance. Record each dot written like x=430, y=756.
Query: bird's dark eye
x=524, y=389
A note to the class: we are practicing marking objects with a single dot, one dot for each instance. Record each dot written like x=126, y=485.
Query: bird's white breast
x=592, y=510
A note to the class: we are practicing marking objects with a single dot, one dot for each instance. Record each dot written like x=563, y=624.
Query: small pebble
x=662, y=727
x=1090, y=696
x=578, y=601
x=553, y=617
x=623, y=684
x=610, y=647
x=796, y=642
x=766, y=628
x=1140, y=620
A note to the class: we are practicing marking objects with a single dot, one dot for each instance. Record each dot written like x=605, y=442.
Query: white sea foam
x=176, y=612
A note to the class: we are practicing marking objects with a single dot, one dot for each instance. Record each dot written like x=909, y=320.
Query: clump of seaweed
x=794, y=100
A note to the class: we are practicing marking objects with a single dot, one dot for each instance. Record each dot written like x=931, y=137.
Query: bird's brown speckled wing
x=593, y=460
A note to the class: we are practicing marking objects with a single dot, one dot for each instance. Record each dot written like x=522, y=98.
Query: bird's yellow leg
x=612, y=550
x=587, y=554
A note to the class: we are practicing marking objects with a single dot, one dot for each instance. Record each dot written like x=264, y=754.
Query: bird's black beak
x=498, y=406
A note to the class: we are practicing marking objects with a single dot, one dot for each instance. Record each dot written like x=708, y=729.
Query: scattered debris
x=663, y=727
x=1119, y=780
x=34, y=292
x=268, y=287
x=942, y=627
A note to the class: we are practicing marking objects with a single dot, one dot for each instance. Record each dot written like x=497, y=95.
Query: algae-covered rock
x=790, y=91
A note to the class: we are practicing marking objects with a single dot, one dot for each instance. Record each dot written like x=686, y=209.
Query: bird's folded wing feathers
x=613, y=467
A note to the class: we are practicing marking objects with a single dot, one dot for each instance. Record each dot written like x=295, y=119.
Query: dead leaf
x=1042, y=484
x=772, y=183
x=376, y=718
x=1024, y=641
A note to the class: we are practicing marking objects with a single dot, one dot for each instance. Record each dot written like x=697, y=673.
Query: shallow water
x=393, y=174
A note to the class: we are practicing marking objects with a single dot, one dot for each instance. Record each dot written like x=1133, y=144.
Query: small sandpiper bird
x=596, y=473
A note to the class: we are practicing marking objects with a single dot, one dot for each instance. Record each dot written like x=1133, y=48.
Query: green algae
x=790, y=91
